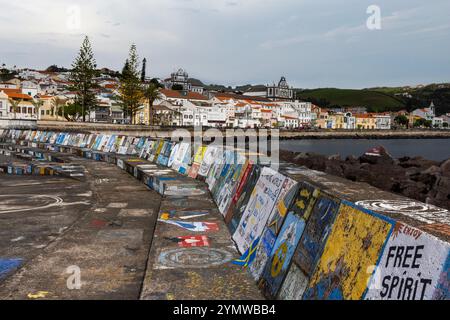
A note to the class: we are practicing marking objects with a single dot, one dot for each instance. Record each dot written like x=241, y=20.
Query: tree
x=130, y=88
x=151, y=94
x=37, y=104
x=72, y=112
x=15, y=106
x=156, y=83
x=55, y=68
x=402, y=120
x=82, y=77
x=423, y=123
x=58, y=106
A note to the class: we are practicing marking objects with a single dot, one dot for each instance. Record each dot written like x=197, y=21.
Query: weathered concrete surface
x=347, y=241
x=201, y=273
x=109, y=239
x=97, y=227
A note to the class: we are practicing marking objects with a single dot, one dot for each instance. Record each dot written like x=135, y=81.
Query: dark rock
x=416, y=178
x=335, y=157
x=335, y=168
x=418, y=162
x=445, y=168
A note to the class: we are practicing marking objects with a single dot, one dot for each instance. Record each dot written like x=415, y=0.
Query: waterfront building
x=383, y=121
x=24, y=109
x=365, y=122
x=425, y=113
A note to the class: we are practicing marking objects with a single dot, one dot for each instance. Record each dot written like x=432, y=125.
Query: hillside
x=375, y=101
x=422, y=96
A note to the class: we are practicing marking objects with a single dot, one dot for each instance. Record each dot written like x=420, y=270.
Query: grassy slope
x=373, y=100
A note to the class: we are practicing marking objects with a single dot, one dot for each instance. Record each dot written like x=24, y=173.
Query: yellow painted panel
x=353, y=246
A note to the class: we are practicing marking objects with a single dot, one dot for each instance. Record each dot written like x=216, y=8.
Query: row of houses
x=42, y=95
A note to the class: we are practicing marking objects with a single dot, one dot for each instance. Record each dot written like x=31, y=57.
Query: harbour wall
x=302, y=234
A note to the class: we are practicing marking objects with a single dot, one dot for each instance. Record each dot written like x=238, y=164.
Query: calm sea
x=433, y=149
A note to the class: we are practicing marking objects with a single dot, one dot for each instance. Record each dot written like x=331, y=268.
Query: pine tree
x=82, y=77
x=130, y=85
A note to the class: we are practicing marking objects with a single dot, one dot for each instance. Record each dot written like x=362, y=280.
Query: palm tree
x=57, y=105
x=151, y=93
x=37, y=104
x=15, y=104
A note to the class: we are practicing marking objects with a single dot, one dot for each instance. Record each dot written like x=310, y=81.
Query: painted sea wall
x=302, y=234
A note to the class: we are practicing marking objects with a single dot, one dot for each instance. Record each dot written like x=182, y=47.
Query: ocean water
x=432, y=149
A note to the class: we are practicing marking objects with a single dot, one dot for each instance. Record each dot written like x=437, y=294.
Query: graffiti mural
x=239, y=190
x=316, y=233
x=294, y=285
x=353, y=247
x=191, y=241
x=282, y=253
x=417, y=210
x=195, y=258
x=259, y=207
x=302, y=197
x=262, y=254
x=241, y=203
x=410, y=267
x=193, y=226
x=9, y=265
x=287, y=196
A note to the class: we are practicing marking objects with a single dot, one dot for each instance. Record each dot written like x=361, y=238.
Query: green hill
x=375, y=101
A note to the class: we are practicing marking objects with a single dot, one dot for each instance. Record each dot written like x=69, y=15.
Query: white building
x=383, y=122
x=24, y=110
x=426, y=113
x=181, y=78
x=275, y=92
x=30, y=88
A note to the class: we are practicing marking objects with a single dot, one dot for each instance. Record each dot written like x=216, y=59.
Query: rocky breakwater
x=417, y=178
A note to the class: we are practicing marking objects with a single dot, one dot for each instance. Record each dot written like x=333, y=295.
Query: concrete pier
x=212, y=227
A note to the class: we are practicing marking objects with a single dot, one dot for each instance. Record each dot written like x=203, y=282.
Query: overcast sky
x=314, y=43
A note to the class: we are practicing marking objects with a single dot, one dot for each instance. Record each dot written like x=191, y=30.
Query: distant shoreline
x=166, y=132
x=369, y=135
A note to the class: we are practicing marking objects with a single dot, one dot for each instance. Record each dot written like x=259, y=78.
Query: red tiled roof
x=177, y=95
x=16, y=94
x=240, y=96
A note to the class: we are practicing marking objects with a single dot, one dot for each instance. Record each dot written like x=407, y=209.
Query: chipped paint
x=354, y=245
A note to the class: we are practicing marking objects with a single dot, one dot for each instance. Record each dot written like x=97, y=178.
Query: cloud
x=313, y=43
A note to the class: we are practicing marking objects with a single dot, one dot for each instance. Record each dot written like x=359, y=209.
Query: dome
x=283, y=83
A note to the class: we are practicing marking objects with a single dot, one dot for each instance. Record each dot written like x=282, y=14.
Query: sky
x=313, y=43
